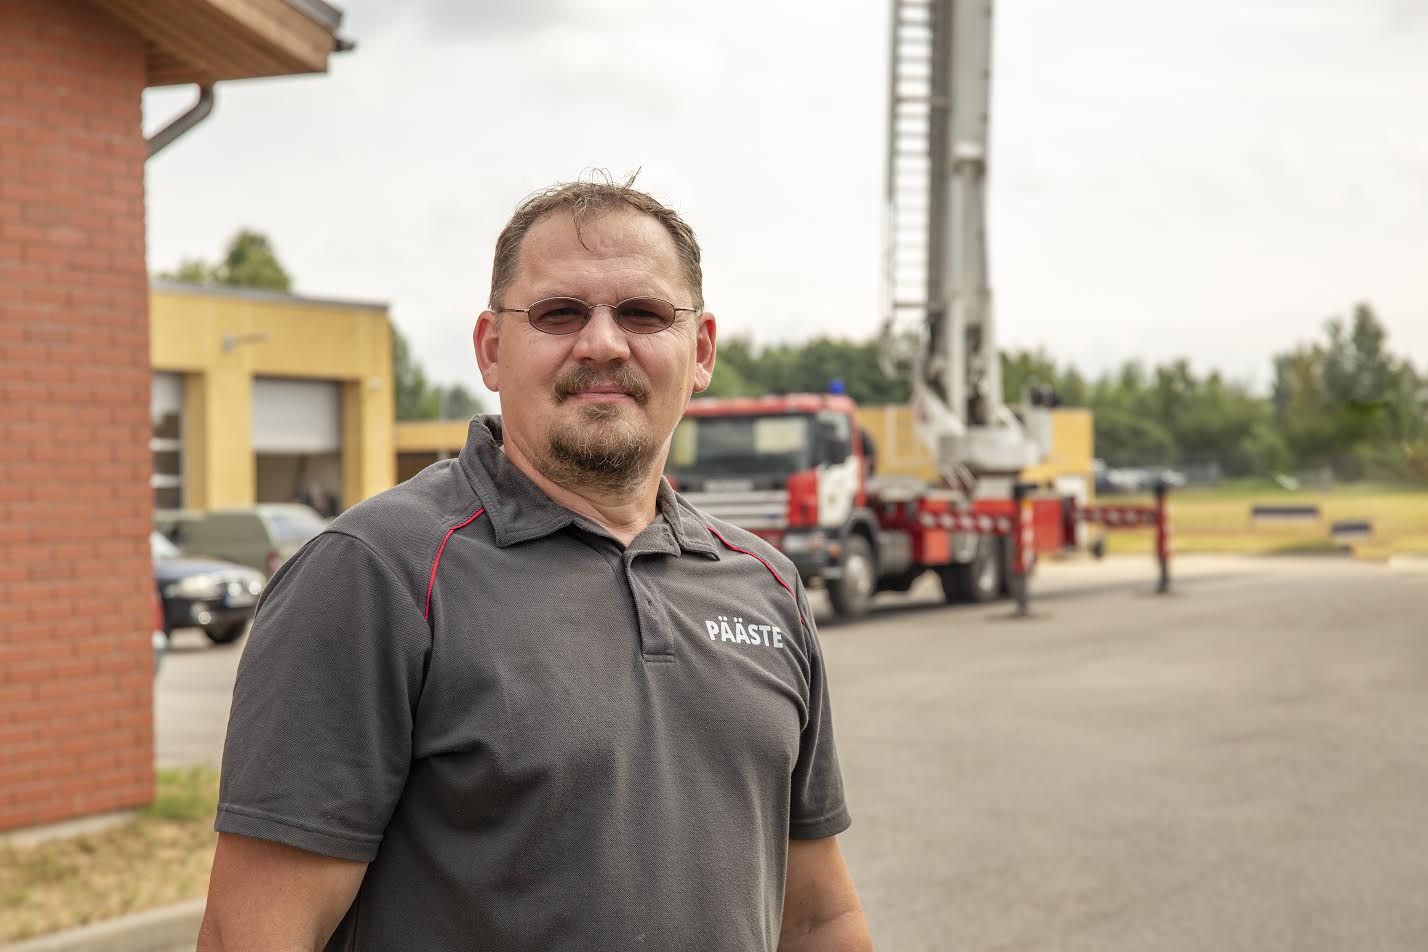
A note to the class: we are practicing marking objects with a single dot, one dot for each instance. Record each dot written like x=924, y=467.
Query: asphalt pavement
x=1239, y=765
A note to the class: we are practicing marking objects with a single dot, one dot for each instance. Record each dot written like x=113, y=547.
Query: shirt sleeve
x=817, y=808
x=320, y=734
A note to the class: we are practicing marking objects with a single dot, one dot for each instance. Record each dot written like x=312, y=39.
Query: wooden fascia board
x=205, y=41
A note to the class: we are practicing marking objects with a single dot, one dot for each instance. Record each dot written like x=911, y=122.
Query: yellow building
x=265, y=397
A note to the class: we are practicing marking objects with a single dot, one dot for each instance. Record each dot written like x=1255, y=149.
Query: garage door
x=296, y=416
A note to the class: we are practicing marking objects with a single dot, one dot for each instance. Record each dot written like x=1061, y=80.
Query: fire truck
x=796, y=469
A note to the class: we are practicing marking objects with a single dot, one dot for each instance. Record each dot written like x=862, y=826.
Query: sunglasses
x=566, y=315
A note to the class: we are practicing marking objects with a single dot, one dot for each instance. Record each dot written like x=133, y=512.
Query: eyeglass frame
x=590, y=313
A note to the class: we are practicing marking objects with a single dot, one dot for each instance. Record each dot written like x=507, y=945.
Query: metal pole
x=1162, y=535
x=1021, y=526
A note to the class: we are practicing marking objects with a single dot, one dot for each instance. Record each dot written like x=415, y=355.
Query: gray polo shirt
x=539, y=738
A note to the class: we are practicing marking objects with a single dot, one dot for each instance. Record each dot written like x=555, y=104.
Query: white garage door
x=296, y=416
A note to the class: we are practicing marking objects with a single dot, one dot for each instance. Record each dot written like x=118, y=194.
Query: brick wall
x=76, y=585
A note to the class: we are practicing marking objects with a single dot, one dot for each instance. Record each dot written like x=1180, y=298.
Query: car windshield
x=740, y=446
x=293, y=526
x=162, y=548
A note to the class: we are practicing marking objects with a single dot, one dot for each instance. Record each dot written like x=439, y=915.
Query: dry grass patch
x=162, y=857
x=1218, y=520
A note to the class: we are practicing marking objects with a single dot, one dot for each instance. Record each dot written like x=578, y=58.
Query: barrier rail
x=1156, y=516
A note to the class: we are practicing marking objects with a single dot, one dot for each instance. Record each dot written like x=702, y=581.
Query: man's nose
x=601, y=339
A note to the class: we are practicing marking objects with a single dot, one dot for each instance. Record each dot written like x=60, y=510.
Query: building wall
x=271, y=335
x=76, y=584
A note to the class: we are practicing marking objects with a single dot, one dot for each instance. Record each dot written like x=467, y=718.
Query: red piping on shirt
x=777, y=578
x=426, y=615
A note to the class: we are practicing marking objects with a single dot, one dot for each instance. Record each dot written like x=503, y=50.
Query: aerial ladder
x=938, y=315
x=938, y=318
x=793, y=469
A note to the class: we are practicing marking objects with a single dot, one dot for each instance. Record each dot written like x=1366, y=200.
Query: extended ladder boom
x=936, y=288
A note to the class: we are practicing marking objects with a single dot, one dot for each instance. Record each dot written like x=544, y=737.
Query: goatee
x=601, y=451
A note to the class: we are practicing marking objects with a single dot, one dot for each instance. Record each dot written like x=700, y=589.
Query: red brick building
x=76, y=581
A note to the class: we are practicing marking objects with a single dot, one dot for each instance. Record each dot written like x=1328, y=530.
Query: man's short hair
x=587, y=201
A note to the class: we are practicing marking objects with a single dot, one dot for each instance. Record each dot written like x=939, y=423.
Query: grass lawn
x=161, y=857
x=1218, y=520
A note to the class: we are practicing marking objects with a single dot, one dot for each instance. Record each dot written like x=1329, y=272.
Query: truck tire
x=852, y=592
x=977, y=581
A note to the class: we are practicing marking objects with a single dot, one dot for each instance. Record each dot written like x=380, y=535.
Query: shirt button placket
x=655, y=636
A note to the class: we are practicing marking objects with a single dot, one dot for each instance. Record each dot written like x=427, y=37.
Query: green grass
x=187, y=793
x=1218, y=520
x=162, y=856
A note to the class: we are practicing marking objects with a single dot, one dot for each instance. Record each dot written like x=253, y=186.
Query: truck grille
x=747, y=510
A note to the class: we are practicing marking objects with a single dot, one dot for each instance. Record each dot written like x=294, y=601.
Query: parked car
x=219, y=597
x=262, y=537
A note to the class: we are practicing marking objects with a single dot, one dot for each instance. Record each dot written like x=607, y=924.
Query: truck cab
x=791, y=469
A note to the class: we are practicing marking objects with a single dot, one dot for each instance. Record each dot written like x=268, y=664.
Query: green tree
x=1346, y=402
x=419, y=399
x=414, y=397
x=191, y=271
x=743, y=369
x=249, y=261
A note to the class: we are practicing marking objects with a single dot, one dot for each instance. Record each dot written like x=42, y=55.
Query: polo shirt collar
x=519, y=510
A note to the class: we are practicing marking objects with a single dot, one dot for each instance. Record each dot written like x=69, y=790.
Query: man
x=531, y=699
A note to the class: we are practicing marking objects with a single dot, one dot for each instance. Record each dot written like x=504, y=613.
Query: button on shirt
x=538, y=738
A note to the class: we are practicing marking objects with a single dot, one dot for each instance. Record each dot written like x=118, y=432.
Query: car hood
x=171, y=570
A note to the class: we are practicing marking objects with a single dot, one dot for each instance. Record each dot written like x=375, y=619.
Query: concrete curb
x=166, y=929
x=1408, y=563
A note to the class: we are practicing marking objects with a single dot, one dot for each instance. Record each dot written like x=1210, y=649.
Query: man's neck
x=624, y=513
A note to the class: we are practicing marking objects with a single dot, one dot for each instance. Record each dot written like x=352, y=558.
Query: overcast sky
x=1206, y=178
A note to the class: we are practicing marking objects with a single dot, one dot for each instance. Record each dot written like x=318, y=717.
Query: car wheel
x=226, y=635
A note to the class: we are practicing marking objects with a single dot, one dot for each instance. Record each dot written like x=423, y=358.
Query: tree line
x=1343, y=403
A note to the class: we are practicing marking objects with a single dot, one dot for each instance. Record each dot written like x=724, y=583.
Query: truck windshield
x=740, y=446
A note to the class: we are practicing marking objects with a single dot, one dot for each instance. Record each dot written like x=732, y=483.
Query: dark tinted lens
x=644, y=315
x=558, y=315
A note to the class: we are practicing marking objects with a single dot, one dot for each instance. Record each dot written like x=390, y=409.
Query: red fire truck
x=795, y=469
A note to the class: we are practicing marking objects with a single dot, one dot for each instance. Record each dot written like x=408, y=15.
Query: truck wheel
x=852, y=593
x=979, y=580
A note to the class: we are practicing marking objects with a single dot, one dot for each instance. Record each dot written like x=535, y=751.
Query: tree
x=744, y=370
x=417, y=399
x=250, y=261
x=1347, y=403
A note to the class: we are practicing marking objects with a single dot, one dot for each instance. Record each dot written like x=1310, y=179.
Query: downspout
x=170, y=133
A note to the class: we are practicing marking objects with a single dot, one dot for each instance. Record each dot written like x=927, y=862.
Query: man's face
x=595, y=407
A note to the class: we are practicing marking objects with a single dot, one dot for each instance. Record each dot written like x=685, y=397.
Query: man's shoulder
x=406, y=524
x=743, y=540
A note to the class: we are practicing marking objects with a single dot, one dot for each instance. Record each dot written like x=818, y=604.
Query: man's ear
x=486, y=338
x=706, y=330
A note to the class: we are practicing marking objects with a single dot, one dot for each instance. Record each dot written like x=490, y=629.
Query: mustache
x=584, y=378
